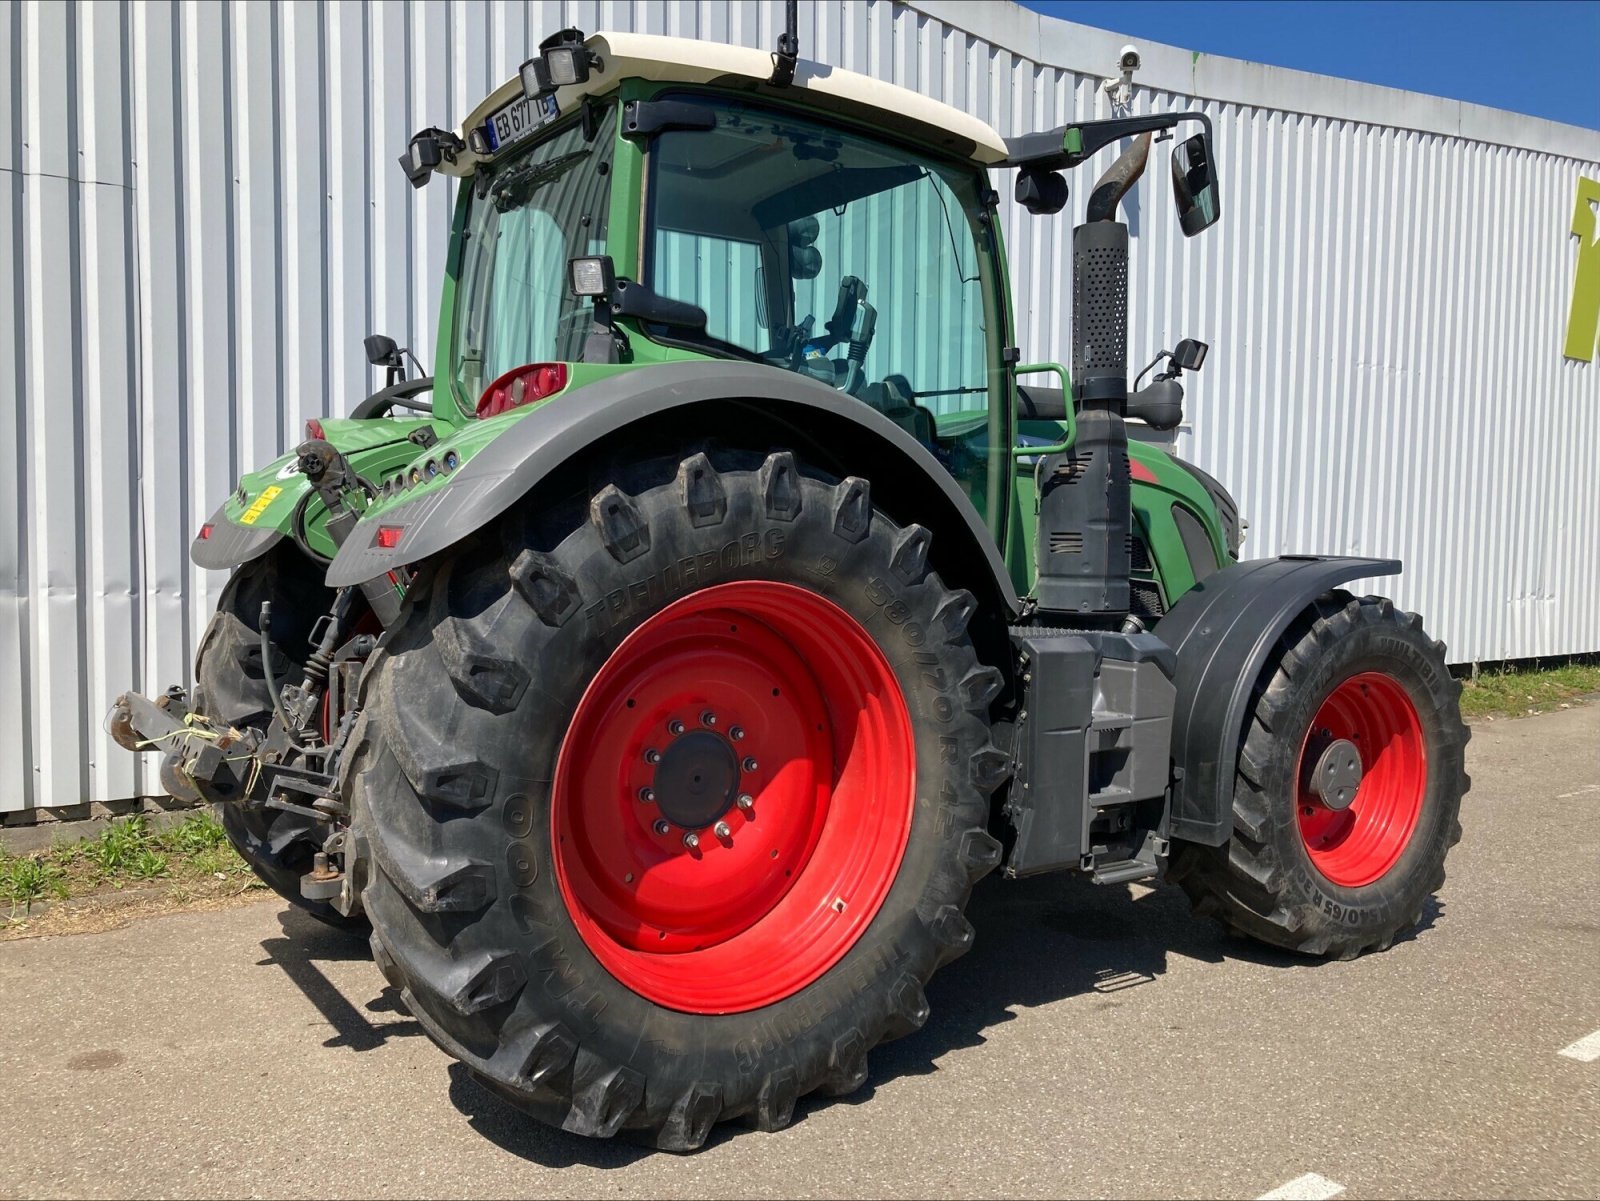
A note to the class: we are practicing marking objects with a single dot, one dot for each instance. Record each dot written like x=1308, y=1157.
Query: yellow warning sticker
x=266, y=498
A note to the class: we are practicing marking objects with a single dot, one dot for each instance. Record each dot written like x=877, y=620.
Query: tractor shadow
x=306, y=943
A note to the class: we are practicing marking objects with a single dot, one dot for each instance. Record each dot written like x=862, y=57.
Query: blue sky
x=1541, y=58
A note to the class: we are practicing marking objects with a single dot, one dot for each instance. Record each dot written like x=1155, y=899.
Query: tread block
x=480, y=677
x=489, y=980
x=979, y=687
x=433, y=770
x=620, y=524
x=691, y=1117
x=779, y=478
x=980, y=853
x=910, y=559
x=385, y=962
x=775, y=1102
x=989, y=767
x=602, y=1097
x=952, y=931
x=703, y=494
x=433, y=885
x=852, y=509
x=847, y=1064
x=908, y=1005
x=532, y=1052
x=954, y=613
x=550, y=592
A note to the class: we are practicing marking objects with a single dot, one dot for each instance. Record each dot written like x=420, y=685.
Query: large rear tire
x=1348, y=789
x=231, y=686
x=727, y=647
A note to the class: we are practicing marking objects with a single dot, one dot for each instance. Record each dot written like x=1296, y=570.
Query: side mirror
x=382, y=350
x=1042, y=193
x=1190, y=354
x=1194, y=185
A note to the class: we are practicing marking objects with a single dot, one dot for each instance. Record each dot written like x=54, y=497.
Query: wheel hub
x=1337, y=774
x=697, y=780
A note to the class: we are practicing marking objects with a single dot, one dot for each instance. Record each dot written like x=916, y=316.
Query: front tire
x=555, y=713
x=1348, y=788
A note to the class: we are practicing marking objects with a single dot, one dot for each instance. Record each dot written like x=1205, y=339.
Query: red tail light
x=205, y=531
x=389, y=536
x=314, y=430
x=522, y=386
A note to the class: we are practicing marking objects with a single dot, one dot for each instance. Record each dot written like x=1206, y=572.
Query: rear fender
x=1222, y=631
x=694, y=399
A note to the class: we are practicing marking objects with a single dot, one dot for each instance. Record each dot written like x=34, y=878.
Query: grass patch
x=1520, y=691
x=190, y=858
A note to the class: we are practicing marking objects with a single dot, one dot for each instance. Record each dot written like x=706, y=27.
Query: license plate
x=518, y=119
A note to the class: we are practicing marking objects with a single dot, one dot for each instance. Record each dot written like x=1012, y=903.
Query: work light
x=563, y=60
x=592, y=276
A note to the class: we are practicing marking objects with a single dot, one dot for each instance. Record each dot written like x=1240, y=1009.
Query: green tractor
x=656, y=679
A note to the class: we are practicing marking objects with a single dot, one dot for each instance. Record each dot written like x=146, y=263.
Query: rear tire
x=1342, y=878
x=484, y=766
x=231, y=687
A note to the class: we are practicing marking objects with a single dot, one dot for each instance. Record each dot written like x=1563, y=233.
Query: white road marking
x=1585, y=1050
x=1584, y=791
x=1309, y=1187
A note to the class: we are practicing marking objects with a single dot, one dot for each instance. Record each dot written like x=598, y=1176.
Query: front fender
x=533, y=446
x=1222, y=631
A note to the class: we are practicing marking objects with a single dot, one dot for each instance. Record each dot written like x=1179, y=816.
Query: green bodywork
x=382, y=450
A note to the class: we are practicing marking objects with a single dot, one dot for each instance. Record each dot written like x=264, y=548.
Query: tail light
x=205, y=531
x=389, y=536
x=314, y=430
x=522, y=386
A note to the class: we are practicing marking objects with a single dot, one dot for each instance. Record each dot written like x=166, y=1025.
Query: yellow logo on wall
x=268, y=495
x=1583, y=319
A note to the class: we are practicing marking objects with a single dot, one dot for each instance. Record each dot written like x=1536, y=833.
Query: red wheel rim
x=816, y=806
x=1356, y=845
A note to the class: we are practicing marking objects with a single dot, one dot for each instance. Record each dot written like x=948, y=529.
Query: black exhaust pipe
x=1085, y=514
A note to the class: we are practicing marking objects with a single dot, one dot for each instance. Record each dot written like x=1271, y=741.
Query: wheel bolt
x=647, y=795
x=708, y=718
x=737, y=733
x=721, y=830
x=746, y=802
x=662, y=826
x=652, y=756
x=675, y=728
x=691, y=840
x=750, y=764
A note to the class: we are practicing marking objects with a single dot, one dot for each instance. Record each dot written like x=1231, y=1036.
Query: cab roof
x=688, y=60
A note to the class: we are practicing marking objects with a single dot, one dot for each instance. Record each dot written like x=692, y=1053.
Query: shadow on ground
x=1040, y=941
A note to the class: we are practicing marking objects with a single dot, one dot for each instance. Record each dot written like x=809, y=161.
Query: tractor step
x=1122, y=871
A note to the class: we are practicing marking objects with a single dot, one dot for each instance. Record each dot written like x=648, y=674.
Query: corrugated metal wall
x=205, y=217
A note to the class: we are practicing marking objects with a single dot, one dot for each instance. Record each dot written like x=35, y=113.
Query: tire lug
x=721, y=830
x=691, y=840
x=746, y=802
x=662, y=826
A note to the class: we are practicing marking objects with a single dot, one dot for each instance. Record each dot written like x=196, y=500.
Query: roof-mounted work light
x=563, y=60
x=426, y=150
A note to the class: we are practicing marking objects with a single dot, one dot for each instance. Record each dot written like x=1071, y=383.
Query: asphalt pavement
x=1097, y=1041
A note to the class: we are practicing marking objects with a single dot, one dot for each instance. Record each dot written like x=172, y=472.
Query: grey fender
x=854, y=437
x=229, y=545
x=1222, y=631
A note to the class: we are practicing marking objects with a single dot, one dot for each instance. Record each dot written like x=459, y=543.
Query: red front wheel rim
x=1357, y=844
x=762, y=720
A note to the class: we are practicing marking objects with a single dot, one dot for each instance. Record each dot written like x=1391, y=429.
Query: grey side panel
x=231, y=544
x=492, y=480
x=1223, y=630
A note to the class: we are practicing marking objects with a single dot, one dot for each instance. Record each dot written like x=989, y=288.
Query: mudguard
x=494, y=478
x=1222, y=631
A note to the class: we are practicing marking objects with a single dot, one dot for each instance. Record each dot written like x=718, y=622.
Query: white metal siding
x=205, y=217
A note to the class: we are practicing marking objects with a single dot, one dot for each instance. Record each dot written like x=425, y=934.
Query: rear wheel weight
x=662, y=1004
x=1343, y=862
